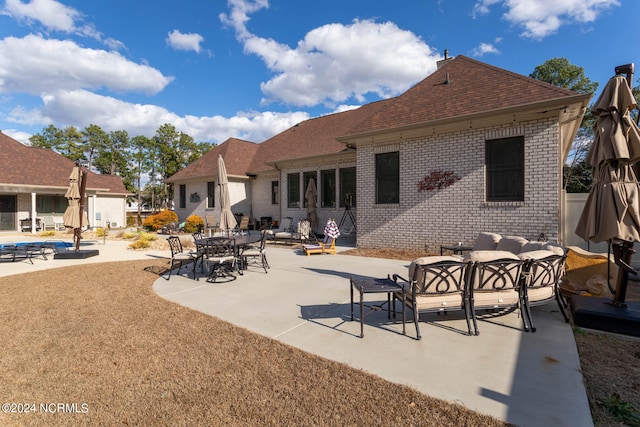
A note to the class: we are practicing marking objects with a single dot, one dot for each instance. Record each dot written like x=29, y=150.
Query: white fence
x=573, y=205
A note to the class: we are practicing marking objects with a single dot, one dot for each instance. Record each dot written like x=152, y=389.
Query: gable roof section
x=237, y=155
x=21, y=165
x=313, y=137
x=473, y=87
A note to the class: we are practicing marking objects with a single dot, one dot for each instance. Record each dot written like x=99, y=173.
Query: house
x=470, y=148
x=33, y=182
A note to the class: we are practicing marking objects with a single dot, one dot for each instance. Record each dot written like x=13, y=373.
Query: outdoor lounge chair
x=436, y=284
x=541, y=279
x=284, y=233
x=494, y=282
x=320, y=248
x=179, y=257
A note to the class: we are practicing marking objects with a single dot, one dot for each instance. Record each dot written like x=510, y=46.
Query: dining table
x=240, y=242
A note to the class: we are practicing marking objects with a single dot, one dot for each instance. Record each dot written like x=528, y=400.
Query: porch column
x=93, y=215
x=33, y=213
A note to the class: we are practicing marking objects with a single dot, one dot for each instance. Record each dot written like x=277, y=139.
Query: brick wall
x=459, y=212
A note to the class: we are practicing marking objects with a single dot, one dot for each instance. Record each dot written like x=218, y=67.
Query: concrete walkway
x=528, y=379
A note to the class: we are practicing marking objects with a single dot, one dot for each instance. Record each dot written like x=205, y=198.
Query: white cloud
x=335, y=63
x=55, y=16
x=485, y=48
x=182, y=41
x=482, y=7
x=541, y=18
x=80, y=108
x=34, y=65
x=18, y=135
x=52, y=14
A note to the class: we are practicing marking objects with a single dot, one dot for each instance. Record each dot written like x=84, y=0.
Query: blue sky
x=252, y=68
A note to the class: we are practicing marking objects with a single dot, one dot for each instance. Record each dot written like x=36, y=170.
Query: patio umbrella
x=74, y=216
x=227, y=220
x=312, y=200
x=612, y=211
x=331, y=230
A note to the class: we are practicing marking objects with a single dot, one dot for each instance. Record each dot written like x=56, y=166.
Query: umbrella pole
x=77, y=233
x=622, y=253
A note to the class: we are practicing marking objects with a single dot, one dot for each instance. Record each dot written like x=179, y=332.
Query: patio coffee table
x=376, y=286
x=456, y=249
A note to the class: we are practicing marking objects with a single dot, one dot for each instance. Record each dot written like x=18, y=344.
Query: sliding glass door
x=8, y=213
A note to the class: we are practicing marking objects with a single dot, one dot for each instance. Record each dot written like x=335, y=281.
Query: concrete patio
x=528, y=379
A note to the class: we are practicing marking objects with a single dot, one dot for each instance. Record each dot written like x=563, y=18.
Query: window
x=306, y=177
x=211, y=194
x=347, y=187
x=328, y=188
x=183, y=196
x=388, y=178
x=293, y=190
x=275, y=193
x=51, y=204
x=505, y=169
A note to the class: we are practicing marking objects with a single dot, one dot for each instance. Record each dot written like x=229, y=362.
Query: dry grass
x=610, y=363
x=97, y=335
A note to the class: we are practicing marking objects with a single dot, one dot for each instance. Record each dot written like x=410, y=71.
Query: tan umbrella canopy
x=312, y=203
x=227, y=220
x=612, y=211
x=72, y=217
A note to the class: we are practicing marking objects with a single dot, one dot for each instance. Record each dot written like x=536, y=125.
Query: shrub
x=102, y=232
x=194, y=224
x=159, y=220
x=143, y=241
x=47, y=233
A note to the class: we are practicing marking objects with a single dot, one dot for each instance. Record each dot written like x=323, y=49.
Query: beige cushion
x=442, y=302
x=484, y=256
x=533, y=246
x=512, y=244
x=486, y=241
x=555, y=248
x=539, y=254
x=495, y=299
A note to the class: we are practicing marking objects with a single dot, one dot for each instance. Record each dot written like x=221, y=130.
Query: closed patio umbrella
x=331, y=230
x=312, y=202
x=612, y=211
x=75, y=216
x=227, y=220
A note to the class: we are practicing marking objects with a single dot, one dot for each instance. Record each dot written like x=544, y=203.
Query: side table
x=373, y=286
x=456, y=249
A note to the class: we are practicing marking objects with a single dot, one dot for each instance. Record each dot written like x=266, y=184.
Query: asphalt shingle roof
x=24, y=165
x=473, y=87
x=237, y=154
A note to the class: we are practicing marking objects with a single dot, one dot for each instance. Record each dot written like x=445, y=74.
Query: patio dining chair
x=494, y=282
x=221, y=258
x=179, y=257
x=256, y=254
x=542, y=273
x=436, y=284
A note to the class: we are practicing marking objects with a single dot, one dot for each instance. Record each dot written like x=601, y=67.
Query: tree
x=560, y=72
x=51, y=137
x=94, y=141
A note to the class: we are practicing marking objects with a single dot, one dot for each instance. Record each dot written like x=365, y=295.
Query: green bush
x=159, y=220
x=194, y=224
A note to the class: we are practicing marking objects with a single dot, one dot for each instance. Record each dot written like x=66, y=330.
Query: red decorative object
x=437, y=180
